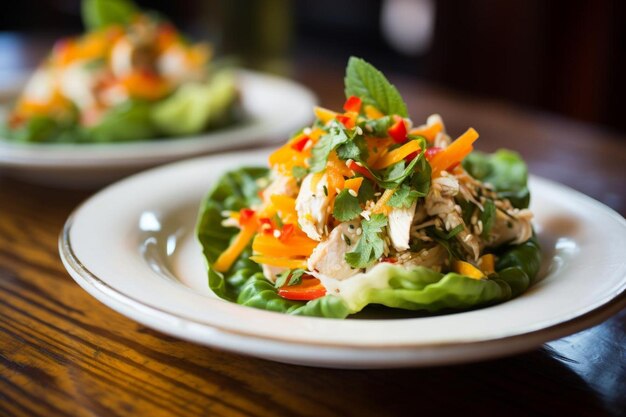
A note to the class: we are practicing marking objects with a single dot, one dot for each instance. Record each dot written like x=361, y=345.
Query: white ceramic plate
x=132, y=246
x=275, y=107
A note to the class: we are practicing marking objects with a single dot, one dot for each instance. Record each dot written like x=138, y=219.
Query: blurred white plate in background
x=274, y=107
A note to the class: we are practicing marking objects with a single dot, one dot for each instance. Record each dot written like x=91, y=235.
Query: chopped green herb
x=403, y=197
x=289, y=277
x=347, y=206
x=299, y=172
x=325, y=190
x=488, y=217
x=371, y=245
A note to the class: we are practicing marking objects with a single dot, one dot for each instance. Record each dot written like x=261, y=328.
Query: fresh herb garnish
x=371, y=246
x=403, y=197
x=369, y=84
x=289, y=277
x=366, y=191
x=336, y=136
x=346, y=206
x=355, y=149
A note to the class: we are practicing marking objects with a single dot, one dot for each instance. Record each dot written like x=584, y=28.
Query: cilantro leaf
x=403, y=197
x=289, y=277
x=488, y=216
x=369, y=84
x=371, y=246
x=347, y=206
x=420, y=181
x=336, y=136
x=355, y=149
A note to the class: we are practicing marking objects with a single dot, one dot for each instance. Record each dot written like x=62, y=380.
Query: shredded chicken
x=513, y=227
x=400, y=220
x=328, y=257
x=312, y=206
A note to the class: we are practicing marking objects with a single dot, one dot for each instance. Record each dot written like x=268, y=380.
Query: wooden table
x=62, y=353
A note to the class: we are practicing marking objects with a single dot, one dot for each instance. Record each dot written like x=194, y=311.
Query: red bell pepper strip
x=287, y=231
x=398, y=131
x=430, y=152
x=347, y=121
x=300, y=143
x=353, y=103
x=309, y=289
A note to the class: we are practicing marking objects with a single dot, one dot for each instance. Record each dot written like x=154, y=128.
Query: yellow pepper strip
x=487, y=263
x=286, y=207
x=397, y=155
x=467, y=269
x=381, y=204
x=372, y=112
x=324, y=115
x=282, y=262
x=454, y=153
x=228, y=257
x=338, y=165
x=353, y=184
x=428, y=131
x=285, y=158
x=295, y=246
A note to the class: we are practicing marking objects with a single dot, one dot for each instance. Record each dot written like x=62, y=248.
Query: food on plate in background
x=131, y=76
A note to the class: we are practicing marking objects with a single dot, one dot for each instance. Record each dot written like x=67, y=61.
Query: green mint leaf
x=98, y=14
x=336, y=136
x=403, y=197
x=347, y=206
x=488, y=217
x=299, y=172
x=369, y=84
x=370, y=246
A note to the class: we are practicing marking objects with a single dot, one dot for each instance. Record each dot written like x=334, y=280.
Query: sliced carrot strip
x=454, y=153
x=429, y=131
x=295, y=246
x=397, y=155
x=467, y=269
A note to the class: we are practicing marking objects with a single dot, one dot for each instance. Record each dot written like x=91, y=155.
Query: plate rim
x=594, y=314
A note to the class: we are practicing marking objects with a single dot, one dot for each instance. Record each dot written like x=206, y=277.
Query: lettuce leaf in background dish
x=195, y=107
x=505, y=170
x=128, y=121
x=418, y=288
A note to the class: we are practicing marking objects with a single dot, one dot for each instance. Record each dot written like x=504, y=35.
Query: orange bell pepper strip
x=372, y=112
x=281, y=262
x=309, y=289
x=230, y=255
x=324, y=115
x=428, y=131
x=295, y=246
x=397, y=155
x=353, y=184
x=454, y=153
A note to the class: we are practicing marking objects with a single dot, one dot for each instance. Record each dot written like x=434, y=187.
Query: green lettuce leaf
x=505, y=170
x=417, y=288
x=128, y=121
x=196, y=107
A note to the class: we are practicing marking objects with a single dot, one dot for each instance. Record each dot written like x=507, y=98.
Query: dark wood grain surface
x=62, y=353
